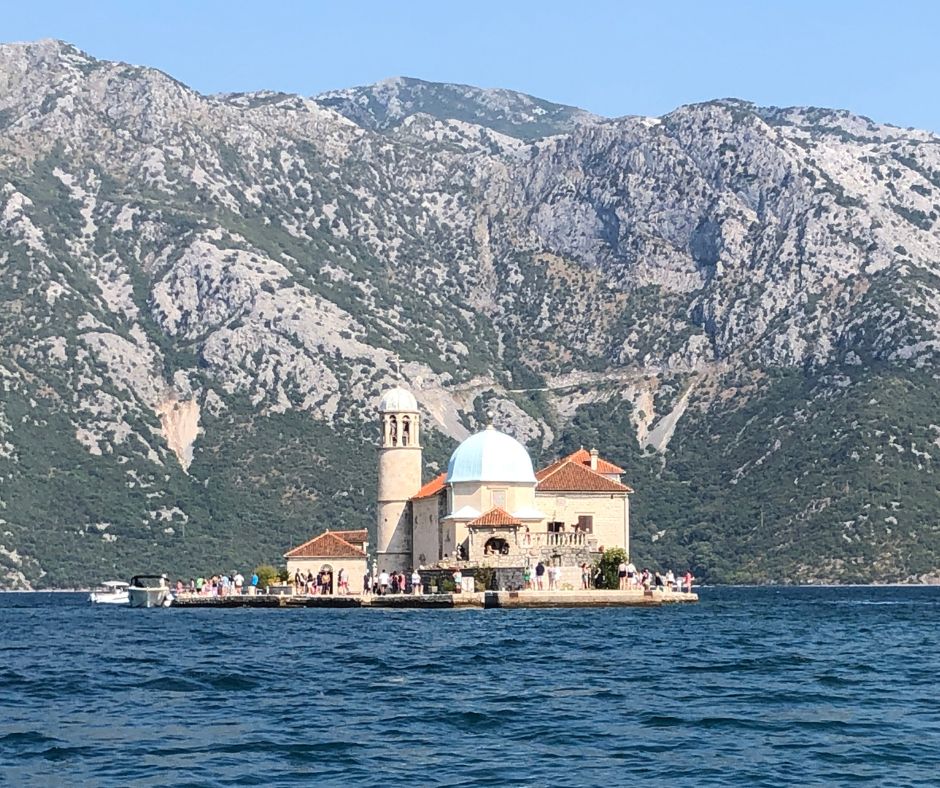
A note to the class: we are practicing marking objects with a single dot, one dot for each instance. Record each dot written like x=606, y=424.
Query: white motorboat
x=149, y=591
x=110, y=592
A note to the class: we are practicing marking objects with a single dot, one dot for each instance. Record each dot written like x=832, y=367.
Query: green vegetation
x=806, y=477
x=267, y=575
x=608, y=567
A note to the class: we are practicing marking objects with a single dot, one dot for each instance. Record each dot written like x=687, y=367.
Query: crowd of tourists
x=548, y=578
x=631, y=578
x=219, y=585
x=541, y=577
x=392, y=583
x=378, y=584
x=322, y=582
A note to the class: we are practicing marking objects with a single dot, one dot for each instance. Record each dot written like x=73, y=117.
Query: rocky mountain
x=202, y=297
x=387, y=104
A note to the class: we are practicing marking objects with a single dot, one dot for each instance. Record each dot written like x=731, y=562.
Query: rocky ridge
x=204, y=295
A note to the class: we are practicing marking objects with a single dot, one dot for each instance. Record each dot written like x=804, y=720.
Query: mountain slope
x=387, y=104
x=202, y=297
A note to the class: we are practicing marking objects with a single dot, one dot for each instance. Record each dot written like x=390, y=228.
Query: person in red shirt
x=688, y=581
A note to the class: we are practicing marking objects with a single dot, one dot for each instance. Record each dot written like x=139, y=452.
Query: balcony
x=560, y=539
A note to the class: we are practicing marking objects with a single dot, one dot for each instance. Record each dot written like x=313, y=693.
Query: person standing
x=539, y=573
x=383, y=582
x=416, y=582
x=631, y=575
x=688, y=581
x=622, y=575
x=458, y=581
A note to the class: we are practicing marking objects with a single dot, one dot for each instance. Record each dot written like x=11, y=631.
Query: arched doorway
x=326, y=572
x=496, y=545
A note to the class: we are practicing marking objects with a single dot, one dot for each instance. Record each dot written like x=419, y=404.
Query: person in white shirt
x=416, y=582
x=631, y=575
x=458, y=581
x=383, y=583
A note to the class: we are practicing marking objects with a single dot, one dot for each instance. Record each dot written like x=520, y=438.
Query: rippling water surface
x=749, y=687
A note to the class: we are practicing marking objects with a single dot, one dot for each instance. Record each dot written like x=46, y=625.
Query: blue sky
x=614, y=58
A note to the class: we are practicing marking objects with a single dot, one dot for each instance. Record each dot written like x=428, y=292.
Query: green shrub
x=610, y=561
x=267, y=575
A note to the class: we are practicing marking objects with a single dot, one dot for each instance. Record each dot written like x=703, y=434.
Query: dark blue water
x=750, y=687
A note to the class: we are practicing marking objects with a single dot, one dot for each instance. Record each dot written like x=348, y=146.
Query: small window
x=586, y=523
x=556, y=528
x=498, y=498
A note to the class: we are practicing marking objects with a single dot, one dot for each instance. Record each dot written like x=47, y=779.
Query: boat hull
x=110, y=599
x=149, y=597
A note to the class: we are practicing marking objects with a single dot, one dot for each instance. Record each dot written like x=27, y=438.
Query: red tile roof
x=603, y=466
x=570, y=476
x=495, y=516
x=359, y=537
x=326, y=545
x=583, y=457
x=432, y=488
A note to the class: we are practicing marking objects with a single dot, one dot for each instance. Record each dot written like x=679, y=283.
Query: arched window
x=392, y=431
x=405, y=431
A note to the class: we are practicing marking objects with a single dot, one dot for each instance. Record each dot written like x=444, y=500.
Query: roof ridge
x=495, y=512
x=582, y=469
x=325, y=534
x=561, y=464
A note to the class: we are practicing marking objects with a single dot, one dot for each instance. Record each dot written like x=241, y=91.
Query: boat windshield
x=149, y=581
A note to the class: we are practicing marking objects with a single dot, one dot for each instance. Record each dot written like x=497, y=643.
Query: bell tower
x=399, y=478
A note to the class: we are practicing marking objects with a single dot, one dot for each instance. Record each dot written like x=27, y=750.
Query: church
x=490, y=507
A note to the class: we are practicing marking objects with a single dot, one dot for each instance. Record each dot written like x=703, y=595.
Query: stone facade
x=356, y=567
x=399, y=479
x=564, y=515
x=609, y=513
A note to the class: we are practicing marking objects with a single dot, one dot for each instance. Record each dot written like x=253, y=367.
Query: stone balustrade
x=562, y=539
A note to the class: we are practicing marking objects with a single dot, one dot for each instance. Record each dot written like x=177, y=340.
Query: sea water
x=752, y=686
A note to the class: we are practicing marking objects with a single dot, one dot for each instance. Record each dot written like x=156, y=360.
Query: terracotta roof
x=495, y=516
x=582, y=457
x=432, y=488
x=326, y=545
x=570, y=476
x=353, y=537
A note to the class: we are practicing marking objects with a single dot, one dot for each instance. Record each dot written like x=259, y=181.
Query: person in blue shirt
x=254, y=579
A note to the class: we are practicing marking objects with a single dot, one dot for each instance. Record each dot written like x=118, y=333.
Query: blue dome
x=490, y=456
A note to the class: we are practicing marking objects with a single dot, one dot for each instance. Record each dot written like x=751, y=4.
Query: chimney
x=593, y=459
